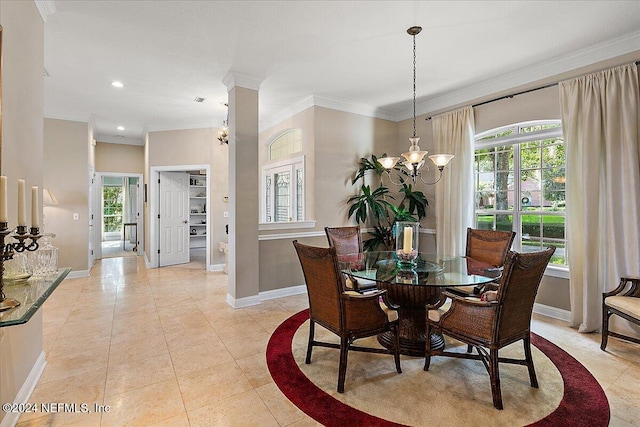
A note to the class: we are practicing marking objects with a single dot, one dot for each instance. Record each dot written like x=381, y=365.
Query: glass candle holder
x=407, y=243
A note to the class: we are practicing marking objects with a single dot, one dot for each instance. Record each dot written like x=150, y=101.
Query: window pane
x=268, y=199
x=299, y=194
x=530, y=157
x=531, y=227
x=288, y=143
x=560, y=255
x=504, y=222
x=504, y=158
x=553, y=227
x=281, y=199
x=485, y=162
x=485, y=222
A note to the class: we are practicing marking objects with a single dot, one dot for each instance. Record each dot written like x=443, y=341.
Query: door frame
x=154, y=208
x=97, y=206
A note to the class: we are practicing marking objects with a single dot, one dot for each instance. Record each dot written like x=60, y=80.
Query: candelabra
x=8, y=249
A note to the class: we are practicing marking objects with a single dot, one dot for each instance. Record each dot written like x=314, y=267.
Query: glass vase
x=407, y=243
x=44, y=261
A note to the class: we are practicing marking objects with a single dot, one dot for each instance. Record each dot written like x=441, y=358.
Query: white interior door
x=174, y=218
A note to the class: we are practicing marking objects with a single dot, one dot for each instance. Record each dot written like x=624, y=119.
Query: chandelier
x=223, y=134
x=413, y=160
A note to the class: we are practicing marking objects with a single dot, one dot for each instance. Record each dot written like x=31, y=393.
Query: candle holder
x=9, y=249
x=407, y=243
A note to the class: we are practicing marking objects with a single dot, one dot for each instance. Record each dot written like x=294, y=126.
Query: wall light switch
x=76, y=216
x=226, y=214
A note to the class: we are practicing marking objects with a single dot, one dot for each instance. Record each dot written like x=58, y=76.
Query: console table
x=31, y=294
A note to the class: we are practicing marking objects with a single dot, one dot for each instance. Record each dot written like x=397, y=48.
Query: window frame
x=292, y=165
x=515, y=139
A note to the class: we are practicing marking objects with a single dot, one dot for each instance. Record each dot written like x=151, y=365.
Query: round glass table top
x=429, y=269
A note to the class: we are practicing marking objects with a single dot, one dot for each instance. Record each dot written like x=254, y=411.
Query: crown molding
x=124, y=140
x=180, y=126
x=530, y=74
x=233, y=79
x=320, y=101
x=46, y=8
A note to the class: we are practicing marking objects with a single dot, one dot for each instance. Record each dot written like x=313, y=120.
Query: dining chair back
x=346, y=240
x=489, y=246
x=348, y=314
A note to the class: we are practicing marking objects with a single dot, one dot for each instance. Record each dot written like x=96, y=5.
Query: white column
x=244, y=190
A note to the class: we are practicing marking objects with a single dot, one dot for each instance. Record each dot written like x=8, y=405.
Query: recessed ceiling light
x=117, y=84
x=120, y=128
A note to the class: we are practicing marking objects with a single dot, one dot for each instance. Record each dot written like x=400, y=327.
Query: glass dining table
x=414, y=288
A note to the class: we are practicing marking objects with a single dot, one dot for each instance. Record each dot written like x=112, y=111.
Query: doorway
x=118, y=204
x=179, y=219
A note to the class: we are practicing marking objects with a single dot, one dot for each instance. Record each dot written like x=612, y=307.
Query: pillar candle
x=408, y=239
x=22, y=203
x=4, y=216
x=35, y=208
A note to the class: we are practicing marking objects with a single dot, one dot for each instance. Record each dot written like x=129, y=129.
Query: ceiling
x=351, y=55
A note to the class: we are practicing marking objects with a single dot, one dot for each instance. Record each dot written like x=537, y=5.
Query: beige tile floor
x=161, y=347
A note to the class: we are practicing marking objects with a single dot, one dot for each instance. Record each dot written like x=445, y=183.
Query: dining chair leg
x=342, y=368
x=396, y=348
x=469, y=348
x=605, y=327
x=427, y=348
x=527, y=355
x=494, y=375
x=310, y=343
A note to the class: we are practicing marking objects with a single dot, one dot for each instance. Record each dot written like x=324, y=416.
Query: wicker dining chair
x=491, y=325
x=348, y=314
x=487, y=246
x=348, y=241
x=623, y=301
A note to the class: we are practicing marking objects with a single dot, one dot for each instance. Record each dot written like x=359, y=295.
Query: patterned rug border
x=583, y=403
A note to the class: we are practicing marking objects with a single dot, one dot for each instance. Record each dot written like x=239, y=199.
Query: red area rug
x=584, y=402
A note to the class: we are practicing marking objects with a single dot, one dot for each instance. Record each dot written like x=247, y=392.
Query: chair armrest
x=464, y=300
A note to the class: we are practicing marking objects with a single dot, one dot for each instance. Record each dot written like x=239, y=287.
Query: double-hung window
x=520, y=185
x=283, y=180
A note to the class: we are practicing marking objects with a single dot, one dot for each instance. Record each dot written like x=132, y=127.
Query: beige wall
x=333, y=143
x=66, y=173
x=120, y=158
x=22, y=157
x=193, y=147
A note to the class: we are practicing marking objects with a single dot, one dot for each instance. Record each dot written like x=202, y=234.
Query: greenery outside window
x=112, y=208
x=520, y=185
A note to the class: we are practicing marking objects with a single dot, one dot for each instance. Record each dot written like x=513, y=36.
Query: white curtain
x=601, y=128
x=453, y=133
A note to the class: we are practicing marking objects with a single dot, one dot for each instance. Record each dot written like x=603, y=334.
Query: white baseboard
x=74, y=274
x=243, y=302
x=216, y=267
x=11, y=418
x=147, y=263
x=283, y=292
x=553, y=312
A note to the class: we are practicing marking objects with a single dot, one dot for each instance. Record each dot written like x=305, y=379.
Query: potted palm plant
x=378, y=208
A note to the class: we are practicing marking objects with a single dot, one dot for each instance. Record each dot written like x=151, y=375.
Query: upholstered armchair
x=623, y=301
x=488, y=326
x=348, y=314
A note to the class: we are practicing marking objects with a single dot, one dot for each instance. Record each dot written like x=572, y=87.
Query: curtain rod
x=516, y=94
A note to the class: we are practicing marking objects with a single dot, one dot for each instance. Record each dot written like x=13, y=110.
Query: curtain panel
x=453, y=133
x=601, y=129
